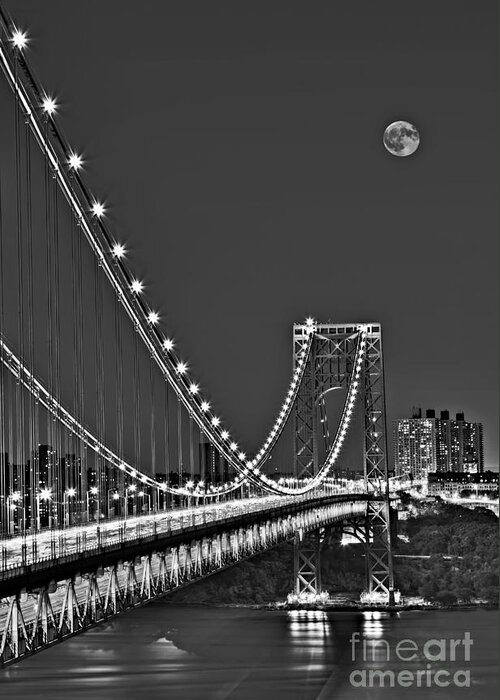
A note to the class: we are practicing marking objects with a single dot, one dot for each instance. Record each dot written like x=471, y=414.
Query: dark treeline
x=469, y=540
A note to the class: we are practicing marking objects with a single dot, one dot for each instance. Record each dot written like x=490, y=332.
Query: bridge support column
x=379, y=569
x=307, y=563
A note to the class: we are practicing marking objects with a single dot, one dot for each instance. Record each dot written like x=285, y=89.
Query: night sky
x=238, y=146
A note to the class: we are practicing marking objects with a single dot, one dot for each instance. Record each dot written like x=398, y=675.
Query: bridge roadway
x=53, y=543
x=64, y=581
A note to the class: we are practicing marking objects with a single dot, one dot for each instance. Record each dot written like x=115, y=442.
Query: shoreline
x=335, y=607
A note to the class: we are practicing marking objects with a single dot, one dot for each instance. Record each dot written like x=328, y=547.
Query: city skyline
x=437, y=443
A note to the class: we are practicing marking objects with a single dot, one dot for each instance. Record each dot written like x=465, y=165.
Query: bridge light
x=189, y=484
x=168, y=344
x=132, y=487
x=181, y=368
x=233, y=446
x=75, y=161
x=94, y=490
x=310, y=321
x=116, y=496
x=16, y=496
x=194, y=388
x=136, y=286
x=205, y=406
x=153, y=317
x=215, y=421
x=19, y=39
x=49, y=105
x=121, y=466
x=224, y=435
x=98, y=209
x=118, y=250
x=242, y=455
x=71, y=492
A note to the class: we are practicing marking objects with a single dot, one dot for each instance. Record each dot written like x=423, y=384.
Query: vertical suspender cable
x=179, y=442
x=137, y=426
x=99, y=362
x=153, y=431
x=46, y=475
x=19, y=403
x=191, y=447
x=76, y=383
x=59, y=480
x=80, y=368
x=166, y=440
x=4, y=505
x=32, y=402
x=119, y=390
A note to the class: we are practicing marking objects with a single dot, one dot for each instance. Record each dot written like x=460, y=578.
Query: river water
x=201, y=653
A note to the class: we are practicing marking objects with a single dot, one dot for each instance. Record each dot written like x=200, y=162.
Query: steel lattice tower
x=330, y=366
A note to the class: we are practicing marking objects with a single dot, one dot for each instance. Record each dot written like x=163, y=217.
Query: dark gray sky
x=238, y=146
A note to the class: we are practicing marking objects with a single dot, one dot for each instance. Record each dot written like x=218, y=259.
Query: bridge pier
x=307, y=563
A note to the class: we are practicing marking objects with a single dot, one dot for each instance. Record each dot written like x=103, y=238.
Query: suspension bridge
x=119, y=482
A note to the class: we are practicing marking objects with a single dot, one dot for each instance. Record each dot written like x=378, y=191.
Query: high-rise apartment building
x=430, y=444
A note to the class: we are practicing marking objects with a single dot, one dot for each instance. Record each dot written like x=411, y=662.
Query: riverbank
x=352, y=606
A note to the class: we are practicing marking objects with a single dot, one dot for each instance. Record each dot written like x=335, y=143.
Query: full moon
x=401, y=138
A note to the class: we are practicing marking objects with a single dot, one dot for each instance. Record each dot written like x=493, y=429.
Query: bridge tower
x=330, y=367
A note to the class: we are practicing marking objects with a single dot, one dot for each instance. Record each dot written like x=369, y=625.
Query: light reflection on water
x=199, y=653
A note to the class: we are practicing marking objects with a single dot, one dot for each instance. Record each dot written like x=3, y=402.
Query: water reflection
x=373, y=626
x=197, y=653
x=308, y=626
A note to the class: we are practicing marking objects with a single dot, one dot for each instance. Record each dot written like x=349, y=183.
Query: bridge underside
x=38, y=610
